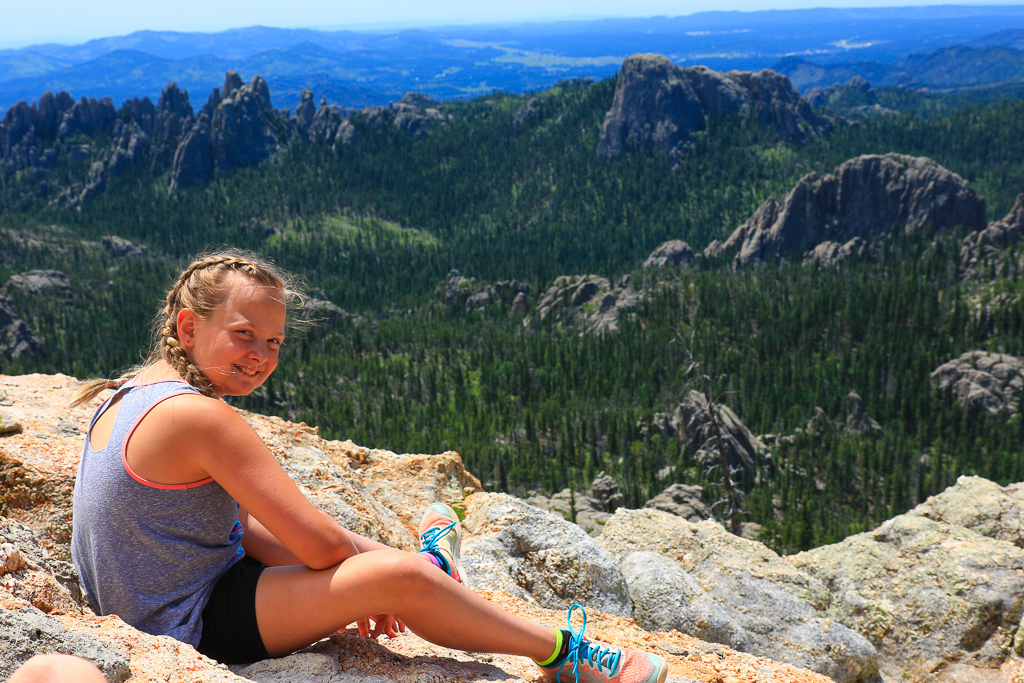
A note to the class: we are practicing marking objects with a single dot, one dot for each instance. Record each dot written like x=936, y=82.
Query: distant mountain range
x=942, y=47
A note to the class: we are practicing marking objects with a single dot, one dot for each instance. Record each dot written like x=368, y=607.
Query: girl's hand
x=387, y=624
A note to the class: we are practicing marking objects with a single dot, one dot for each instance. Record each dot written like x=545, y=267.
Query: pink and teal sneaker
x=441, y=537
x=589, y=661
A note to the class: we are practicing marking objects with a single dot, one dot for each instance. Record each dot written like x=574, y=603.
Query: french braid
x=201, y=287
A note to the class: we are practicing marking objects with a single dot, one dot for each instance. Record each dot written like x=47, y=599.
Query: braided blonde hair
x=201, y=287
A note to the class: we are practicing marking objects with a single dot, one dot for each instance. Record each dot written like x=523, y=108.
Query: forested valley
x=377, y=225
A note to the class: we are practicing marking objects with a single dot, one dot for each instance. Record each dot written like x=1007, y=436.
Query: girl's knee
x=397, y=570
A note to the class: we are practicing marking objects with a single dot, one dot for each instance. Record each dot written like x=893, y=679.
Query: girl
x=223, y=550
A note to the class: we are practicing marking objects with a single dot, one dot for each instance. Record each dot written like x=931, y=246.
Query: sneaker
x=441, y=535
x=592, y=662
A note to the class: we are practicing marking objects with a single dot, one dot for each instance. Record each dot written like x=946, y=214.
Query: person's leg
x=57, y=669
x=296, y=606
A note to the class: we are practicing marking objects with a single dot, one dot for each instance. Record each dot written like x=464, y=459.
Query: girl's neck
x=160, y=371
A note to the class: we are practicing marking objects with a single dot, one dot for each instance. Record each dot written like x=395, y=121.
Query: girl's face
x=236, y=348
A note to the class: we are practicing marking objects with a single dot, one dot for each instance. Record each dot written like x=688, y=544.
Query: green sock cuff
x=559, y=638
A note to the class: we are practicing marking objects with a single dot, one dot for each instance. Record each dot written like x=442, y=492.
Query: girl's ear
x=187, y=327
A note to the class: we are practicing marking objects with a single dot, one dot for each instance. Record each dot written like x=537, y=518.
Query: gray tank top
x=149, y=553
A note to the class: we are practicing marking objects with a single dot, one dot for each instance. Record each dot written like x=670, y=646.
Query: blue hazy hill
x=359, y=68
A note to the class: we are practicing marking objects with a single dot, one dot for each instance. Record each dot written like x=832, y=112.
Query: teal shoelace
x=582, y=649
x=430, y=538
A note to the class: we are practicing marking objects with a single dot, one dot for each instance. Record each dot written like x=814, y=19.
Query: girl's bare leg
x=296, y=606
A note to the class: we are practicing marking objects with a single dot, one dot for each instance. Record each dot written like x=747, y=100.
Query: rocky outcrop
x=40, y=282
x=416, y=113
x=659, y=104
x=833, y=253
x=700, y=579
x=376, y=492
x=941, y=587
x=691, y=420
x=472, y=295
x=984, y=383
x=671, y=253
x=590, y=302
x=589, y=508
x=868, y=197
x=819, y=97
x=16, y=339
x=858, y=421
x=986, y=255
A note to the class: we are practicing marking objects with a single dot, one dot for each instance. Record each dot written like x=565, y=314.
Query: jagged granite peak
x=25, y=125
x=174, y=101
x=193, y=160
x=660, y=104
x=868, y=197
x=87, y=116
x=331, y=125
x=302, y=119
x=235, y=129
x=232, y=82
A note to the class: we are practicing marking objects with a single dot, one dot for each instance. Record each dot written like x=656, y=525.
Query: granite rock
x=741, y=591
x=536, y=555
x=869, y=197
x=985, y=383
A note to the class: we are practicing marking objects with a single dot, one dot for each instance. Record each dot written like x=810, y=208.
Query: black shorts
x=230, y=633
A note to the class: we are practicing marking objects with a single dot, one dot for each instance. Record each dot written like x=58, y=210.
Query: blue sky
x=75, y=21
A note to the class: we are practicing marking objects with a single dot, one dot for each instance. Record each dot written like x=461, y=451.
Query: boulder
x=984, y=383
x=526, y=552
x=833, y=253
x=984, y=507
x=661, y=105
x=671, y=253
x=869, y=197
x=27, y=632
x=927, y=591
x=119, y=247
x=682, y=500
x=739, y=590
